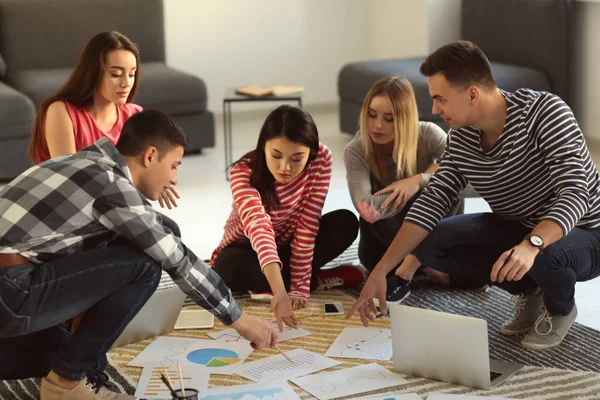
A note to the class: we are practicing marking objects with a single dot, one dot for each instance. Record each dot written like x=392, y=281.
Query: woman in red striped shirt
x=275, y=240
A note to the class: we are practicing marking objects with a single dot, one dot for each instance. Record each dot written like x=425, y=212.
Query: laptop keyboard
x=494, y=375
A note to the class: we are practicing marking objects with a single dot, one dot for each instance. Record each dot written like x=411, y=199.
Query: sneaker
x=261, y=296
x=527, y=309
x=342, y=276
x=90, y=388
x=398, y=289
x=549, y=330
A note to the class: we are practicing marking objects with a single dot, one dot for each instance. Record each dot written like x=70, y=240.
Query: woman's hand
x=400, y=192
x=281, y=305
x=366, y=212
x=167, y=198
x=298, y=304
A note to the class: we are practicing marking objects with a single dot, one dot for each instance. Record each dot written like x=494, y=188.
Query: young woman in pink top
x=95, y=102
x=275, y=240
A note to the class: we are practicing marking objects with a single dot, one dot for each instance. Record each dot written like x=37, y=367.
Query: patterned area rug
x=568, y=372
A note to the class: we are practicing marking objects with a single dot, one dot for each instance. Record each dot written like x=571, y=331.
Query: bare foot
x=437, y=277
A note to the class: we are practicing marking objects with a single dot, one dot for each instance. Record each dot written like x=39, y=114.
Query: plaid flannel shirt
x=85, y=200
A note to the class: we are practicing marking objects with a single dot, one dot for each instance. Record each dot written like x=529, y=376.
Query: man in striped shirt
x=59, y=257
x=526, y=156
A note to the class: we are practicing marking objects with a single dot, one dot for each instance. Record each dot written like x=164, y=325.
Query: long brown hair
x=401, y=96
x=82, y=84
x=296, y=125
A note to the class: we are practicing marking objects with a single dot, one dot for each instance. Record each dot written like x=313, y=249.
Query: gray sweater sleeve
x=432, y=143
x=358, y=176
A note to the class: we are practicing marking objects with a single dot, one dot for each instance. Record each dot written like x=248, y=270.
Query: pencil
x=167, y=376
x=180, y=379
x=285, y=355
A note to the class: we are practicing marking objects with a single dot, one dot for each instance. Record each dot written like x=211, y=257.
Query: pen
x=285, y=355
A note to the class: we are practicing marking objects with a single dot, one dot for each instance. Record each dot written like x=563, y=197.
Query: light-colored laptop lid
x=157, y=317
x=436, y=345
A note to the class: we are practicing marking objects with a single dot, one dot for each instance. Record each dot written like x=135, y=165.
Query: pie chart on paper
x=213, y=358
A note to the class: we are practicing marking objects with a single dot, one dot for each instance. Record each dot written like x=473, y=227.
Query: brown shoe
x=85, y=390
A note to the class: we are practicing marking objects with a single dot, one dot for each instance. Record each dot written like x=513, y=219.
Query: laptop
x=445, y=347
x=157, y=317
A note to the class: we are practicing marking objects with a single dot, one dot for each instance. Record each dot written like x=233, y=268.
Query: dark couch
x=41, y=41
x=525, y=40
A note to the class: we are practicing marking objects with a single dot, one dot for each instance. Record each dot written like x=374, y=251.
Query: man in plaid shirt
x=59, y=257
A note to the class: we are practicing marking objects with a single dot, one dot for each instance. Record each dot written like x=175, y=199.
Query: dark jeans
x=33, y=354
x=376, y=237
x=110, y=284
x=467, y=246
x=239, y=267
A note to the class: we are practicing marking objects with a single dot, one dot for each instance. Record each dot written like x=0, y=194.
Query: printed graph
x=151, y=387
x=256, y=374
x=231, y=336
x=213, y=358
x=350, y=381
x=277, y=367
x=219, y=357
x=364, y=343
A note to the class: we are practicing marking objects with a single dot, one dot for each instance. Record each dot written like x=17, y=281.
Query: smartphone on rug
x=334, y=308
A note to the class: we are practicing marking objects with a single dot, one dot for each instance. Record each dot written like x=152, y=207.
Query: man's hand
x=281, y=305
x=298, y=304
x=259, y=332
x=364, y=305
x=400, y=192
x=515, y=267
x=167, y=198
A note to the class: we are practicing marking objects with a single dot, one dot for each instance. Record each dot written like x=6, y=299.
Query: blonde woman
x=388, y=163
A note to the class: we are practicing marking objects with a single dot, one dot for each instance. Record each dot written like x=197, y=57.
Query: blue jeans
x=468, y=246
x=112, y=284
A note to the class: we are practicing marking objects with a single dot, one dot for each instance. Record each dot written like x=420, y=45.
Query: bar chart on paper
x=277, y=367
x=151, y=387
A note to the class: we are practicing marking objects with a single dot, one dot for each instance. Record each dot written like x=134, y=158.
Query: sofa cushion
x=170, y=90
x=356, y=79
x=160, y=86
x=16, y=112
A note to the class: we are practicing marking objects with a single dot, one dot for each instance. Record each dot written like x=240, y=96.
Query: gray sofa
x=525, y=40
x=17, y=113
x=42, y=39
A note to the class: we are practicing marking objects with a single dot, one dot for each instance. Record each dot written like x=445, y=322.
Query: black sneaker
x=398, y=289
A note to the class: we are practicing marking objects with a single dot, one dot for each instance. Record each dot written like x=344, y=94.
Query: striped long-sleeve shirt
x=294, y=222
x=539, y=169
x=83, y=201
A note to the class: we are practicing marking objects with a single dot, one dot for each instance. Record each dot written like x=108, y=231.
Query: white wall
x=444, y=22
x=585, y=91
x=397, y=28
x=231, y=43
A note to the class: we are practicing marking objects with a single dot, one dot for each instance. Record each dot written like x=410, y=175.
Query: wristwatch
x=535, y=241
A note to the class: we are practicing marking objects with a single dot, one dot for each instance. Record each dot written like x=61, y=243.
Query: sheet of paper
x=231, y=335
x=391, y=396
x=277, y=367
x=442, y=396
x=279, y=390
x=194, y=354
x=349, y=381
x=151, y=387
x=365, y=343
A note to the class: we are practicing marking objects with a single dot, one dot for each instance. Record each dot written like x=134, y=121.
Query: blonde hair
x=401, y=96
